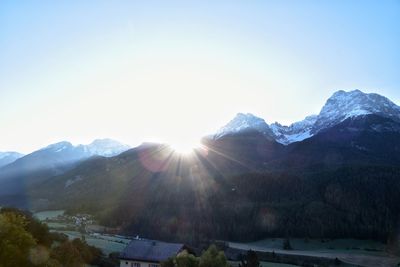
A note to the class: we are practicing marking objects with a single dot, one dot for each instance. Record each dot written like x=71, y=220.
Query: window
x=135, y=264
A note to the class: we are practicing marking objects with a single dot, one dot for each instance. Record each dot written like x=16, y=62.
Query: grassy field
x=339, y=245
x=59, y=225
x=48, y=214
x=359, y=252
x=107, y=244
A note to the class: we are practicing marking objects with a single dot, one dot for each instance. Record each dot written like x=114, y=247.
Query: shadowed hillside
x=243, y=187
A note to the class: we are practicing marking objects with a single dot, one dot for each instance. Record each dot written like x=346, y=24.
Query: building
x=148, y=253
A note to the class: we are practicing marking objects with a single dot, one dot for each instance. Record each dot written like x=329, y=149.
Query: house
x=148, y=253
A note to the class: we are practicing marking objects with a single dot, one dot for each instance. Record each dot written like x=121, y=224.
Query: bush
x=15, y=241
x=210, y=258
x=213, y=258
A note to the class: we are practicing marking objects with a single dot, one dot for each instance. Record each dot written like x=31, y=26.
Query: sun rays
x=185, y=147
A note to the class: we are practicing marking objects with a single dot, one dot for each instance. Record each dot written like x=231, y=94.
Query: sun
x=184, y=148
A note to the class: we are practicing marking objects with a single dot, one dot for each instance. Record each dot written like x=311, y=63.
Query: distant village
x=82, y=222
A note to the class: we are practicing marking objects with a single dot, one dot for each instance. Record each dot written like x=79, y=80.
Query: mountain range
x=335, y=174
x=339, y=107
x=9, y=157
x=51, y=160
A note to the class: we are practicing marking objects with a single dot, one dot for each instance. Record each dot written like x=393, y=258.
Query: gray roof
x=149, y=250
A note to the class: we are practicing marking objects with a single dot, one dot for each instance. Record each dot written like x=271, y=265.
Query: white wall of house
x=128, y=263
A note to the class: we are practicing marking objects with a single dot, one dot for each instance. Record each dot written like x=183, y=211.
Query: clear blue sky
x=175, y=70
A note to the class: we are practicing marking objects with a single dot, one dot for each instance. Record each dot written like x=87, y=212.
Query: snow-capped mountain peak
x=339, y=107
x=99, y=147
x=245, y=122
x=342, y=105
x=60, y=157
x=106, y=147
x=295, y=132
x=58, y=147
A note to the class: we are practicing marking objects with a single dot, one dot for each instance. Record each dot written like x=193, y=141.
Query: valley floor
x=365, y=253
x=58, y=222
x=356, y=252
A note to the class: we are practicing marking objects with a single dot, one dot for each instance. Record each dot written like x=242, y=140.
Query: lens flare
x=184, y=148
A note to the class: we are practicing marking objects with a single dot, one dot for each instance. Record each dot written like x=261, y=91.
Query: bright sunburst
x=184, y=148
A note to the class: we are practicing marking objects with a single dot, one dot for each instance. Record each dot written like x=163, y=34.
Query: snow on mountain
x=52, y=160
x=9, y=157
x=342, y=105
x=58, y=147
x=245, y=122
x=295, y=132
x=105, y=147
x=99, y=147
